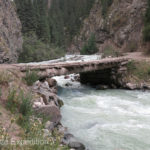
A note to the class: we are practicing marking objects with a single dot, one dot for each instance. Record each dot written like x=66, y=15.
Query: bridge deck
x=63, y=68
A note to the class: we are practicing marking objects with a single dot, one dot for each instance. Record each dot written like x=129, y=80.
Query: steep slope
x=10, y=33
x=118, y=26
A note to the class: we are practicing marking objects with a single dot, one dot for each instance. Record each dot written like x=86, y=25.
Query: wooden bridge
x=98, y=69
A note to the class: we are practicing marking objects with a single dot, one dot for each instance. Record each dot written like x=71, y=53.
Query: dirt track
x=139, y=56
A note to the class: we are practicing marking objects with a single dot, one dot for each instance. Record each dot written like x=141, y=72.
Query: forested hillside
x=118, y=26
x=48, y=26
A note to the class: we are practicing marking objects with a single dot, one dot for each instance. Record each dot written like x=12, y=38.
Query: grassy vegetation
x=5, y=77
x=34, y=50
x=12, y=101
x=146, y=31
x=20, y=105
x=90, y=46
x=140, y=70
x=31, y=77
x=110, y=51
x=21, y=123
x=35, y=138
x=105, y=6
x=132, y=46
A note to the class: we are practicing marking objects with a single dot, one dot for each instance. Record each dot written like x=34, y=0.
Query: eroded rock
x=50, y=111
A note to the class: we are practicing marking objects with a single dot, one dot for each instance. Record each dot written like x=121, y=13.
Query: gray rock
x=61, y=129
x=68, y=84
x=50, y=111
x=76, y=145
x=101, y=87
x=45, y=132
x=72, y=142
x=38, y=103
x=67, y=138
x=49, y=125
x=77, y=78
x=52, y=82
x=113, y=86
x=131, y=86
x=145, y=86
x=43, y=89
x=60, y=102
x=66, y=77
x=54, y=90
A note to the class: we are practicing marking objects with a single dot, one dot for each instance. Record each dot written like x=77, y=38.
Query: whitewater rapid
x=106, y=120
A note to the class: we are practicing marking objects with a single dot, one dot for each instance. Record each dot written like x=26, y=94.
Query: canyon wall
x=10, y=33
x=120, y=28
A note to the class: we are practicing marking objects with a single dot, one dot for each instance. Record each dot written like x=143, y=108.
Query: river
x=106, y=120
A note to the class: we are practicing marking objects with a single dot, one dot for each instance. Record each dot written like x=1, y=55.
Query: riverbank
x=106, y=119
x=23, y=125
x=19, y=92
x=33, y=114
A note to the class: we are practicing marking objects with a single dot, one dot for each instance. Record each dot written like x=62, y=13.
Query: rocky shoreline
x=127, y=86
x=48, y=104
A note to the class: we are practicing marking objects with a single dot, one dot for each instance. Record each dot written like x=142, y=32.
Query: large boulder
x=72, y=142
x=50, y=111
x=43, y=89
x=52, y=82
x=76, y=145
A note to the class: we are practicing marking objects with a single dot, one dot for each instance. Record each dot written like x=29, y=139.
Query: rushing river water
x=106, y=120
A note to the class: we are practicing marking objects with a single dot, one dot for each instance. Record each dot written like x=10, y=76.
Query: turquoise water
x=106, y=120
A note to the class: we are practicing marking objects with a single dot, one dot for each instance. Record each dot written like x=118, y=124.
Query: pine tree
x=43, y=25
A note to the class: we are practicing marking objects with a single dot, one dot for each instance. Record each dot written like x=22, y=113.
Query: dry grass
x=139, y=71
x=5, y=77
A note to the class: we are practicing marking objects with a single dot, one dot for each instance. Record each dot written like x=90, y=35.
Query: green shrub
x=12, y=101
x=25, y=107
x=140, y=70
x=5, y=77
x=20, y=104
x=146, y=31
x=105, y=5
x=34, y=50
x=90, y=46
x=0, y=92
x=131, y=65
x=25, y=111
x=31, y=77
x=109, y=51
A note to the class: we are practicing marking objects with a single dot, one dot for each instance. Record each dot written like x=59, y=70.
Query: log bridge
x=104, y=71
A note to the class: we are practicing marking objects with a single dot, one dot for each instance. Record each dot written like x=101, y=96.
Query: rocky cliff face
x=10, y=33
x=120, y=29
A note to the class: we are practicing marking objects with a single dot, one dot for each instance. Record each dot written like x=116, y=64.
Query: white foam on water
x=106, y=120
x=69, y=59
